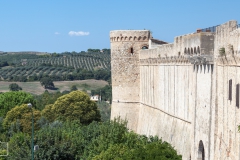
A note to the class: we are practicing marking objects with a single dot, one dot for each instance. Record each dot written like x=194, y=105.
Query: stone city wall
x=165, y=109
x=170, y=90
x=179, y=91
x=227, y=137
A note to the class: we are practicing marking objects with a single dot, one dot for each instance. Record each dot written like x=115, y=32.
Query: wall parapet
x=129, y=35
x=228, y=60
x=165, y=60
x=159, y=51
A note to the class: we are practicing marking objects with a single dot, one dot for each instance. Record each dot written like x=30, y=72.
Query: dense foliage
x=20, y=118
x=108, y=140
x=105, y=110
x=70, y=126
x=9, y=100
x=47, y=98
x=74, y=106
x=19, y=146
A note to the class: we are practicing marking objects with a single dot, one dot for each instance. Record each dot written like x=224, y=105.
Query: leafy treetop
x=73, y=106
x=23, y=114
x=9, y=100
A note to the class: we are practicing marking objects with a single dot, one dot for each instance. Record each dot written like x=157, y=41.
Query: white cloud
x=56, y=33
x=79, y=33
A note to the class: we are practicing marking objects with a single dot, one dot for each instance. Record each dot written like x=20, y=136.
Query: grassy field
x=36, y=88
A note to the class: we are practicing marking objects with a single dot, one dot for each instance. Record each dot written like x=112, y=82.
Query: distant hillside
x=24, y=52
x=65, y=66
x=29, y=52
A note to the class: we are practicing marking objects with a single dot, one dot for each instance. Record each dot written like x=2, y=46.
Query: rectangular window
x=131, y=50
x=237, y=95
x=230, y=90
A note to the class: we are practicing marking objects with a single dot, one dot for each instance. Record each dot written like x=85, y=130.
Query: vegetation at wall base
x=68, y=126
x=105, y=110
x=106, y=140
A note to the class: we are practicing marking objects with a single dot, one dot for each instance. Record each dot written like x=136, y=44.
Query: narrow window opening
x=201, y=152
x=237, y=95
x=131, y=50
x=230, y=90
x=198, y=50
x=185, y=51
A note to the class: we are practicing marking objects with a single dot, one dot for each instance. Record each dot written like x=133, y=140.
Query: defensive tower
x=125, y=47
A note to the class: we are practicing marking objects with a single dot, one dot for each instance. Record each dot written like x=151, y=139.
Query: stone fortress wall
x=170, y=87
x=181, y=90
x=226, y=135
x=125, y=46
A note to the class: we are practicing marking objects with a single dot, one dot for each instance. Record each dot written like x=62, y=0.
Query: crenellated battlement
x=129, y=35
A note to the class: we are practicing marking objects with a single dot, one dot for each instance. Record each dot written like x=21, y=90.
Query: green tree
x=105, y=110
x=9, y=100
x=105, y=140
x=76, y=106
x=47, y=82
x=61, y=141
x=3, y=152
x=14, y=87
x=46, y=98
x=48, y=113
x=20, y=146
x=74, y=88
x=116, y=142
x=151, y=150
x=23, y=114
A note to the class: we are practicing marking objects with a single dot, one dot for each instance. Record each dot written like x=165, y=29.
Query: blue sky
x=76, y=25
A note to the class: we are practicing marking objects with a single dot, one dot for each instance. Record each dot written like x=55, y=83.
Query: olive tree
x=14, y=87
x=47, y=82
